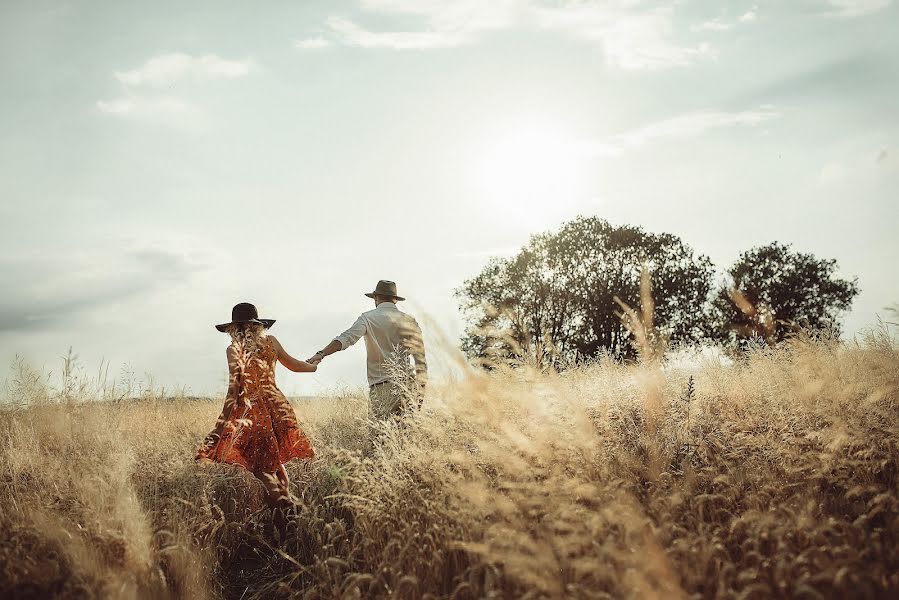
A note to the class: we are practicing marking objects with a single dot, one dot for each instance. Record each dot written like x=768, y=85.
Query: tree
x=772, y=290
x=555, y=300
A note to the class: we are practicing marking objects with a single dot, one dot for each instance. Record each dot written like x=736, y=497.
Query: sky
x=160, y=162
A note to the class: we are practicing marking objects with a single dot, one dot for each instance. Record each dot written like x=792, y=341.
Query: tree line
x=563, y=296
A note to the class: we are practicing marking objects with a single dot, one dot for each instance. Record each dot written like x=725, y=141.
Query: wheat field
x=774, y=476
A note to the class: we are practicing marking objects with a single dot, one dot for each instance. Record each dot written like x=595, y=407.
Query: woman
x=258, y=428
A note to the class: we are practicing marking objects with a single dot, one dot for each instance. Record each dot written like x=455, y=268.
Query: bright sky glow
x=530, y=171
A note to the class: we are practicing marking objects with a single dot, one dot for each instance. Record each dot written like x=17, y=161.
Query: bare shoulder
x=274, y=342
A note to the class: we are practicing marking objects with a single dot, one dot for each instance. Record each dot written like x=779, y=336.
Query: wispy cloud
x=166, y=69
x=720, y=24
x=631, y=36
x=849, y=9
x=750, y=16
x=351, y=34
x=644, y=42
x=141, y=95
x=138, y=105
x=682, y=126
x=713, y=25
x=312, y=43
x=71, y=286
x=455, y=15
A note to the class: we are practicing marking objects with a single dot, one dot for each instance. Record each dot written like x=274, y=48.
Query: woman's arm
x=295, y=365
x=233, y=376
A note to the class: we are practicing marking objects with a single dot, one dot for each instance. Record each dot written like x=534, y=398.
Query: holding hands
x=319, y=356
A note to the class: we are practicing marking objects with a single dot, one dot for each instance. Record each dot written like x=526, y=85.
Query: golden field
x=776, y=476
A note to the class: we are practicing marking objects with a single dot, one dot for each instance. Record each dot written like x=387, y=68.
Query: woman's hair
x=247, y=337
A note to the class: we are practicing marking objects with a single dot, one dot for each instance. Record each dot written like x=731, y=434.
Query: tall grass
x=773, y=476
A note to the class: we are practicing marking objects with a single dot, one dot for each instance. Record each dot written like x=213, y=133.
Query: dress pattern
x=257, y=428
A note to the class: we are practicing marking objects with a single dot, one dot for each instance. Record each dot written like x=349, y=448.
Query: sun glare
x=533, y=168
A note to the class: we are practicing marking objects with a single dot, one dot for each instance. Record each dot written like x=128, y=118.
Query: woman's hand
x=306, y=367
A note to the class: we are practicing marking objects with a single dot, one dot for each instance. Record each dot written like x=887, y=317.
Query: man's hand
x=331, y=348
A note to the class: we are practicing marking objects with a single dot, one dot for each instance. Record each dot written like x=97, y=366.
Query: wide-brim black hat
x=245, y=313
x=385, y=288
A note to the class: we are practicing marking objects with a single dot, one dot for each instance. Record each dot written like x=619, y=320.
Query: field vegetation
x=772, y=476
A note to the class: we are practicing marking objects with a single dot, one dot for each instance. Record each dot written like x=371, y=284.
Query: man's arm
x=341, y=342
x=334, y=346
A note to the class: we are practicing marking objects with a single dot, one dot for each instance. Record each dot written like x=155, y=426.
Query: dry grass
x=772, y=477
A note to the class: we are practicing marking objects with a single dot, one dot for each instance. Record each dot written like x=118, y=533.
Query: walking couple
x=258, y=428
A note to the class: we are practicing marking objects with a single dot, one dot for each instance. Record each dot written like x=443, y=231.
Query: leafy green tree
x=556, y=299
x=772, y=290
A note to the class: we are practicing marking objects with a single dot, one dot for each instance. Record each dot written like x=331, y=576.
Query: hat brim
x=264, y=322
x=373, y=294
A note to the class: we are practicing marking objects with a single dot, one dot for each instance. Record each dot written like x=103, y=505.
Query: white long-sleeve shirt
x=386, y=329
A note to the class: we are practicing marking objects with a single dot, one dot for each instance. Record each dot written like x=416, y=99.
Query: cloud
x=632, y=37
x=682, y=126
x=455, y=15
x=45, y=291
x=138, y=105
x=449, y=23
x=353, y=35
x=750, y=16
x=719, y=25
x=849, y=9
x=167, y=69
x=713, y=25
x=142, y=95
x=312, y=43
x=643, y=42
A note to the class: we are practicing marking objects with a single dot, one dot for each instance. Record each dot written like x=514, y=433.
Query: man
x=391, y=338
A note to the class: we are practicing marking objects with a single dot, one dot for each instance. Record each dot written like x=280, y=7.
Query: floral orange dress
x=258, y=428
